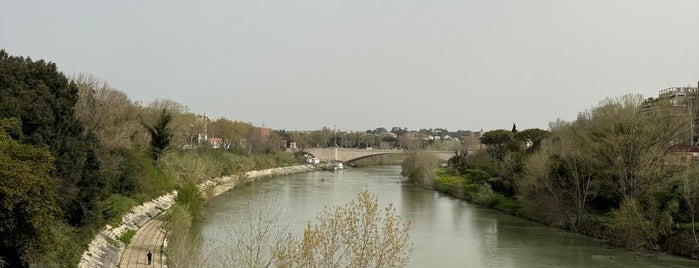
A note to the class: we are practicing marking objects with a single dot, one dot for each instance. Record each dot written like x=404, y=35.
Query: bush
x=640, y=226
x=452, y=185
x=115, y=207
x=189, y=197
x=182, y=249
x=484, y=195
x=505, y=203
x=126, y=237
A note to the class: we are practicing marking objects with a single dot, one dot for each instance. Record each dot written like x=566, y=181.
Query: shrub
x=115, y=207
x=484, y=195
x=126, y=237
x=505, y=203
x=189, y=197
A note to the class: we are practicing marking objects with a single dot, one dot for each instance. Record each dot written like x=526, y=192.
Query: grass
x=126, y=237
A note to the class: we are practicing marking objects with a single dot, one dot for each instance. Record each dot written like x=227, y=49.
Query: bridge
x=349, y=155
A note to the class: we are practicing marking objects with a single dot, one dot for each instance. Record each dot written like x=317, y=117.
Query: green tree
x=43, y=100
x=28, y=198
x=496, y=142
x=533, y=135
x=160, y=134
x=632, y=145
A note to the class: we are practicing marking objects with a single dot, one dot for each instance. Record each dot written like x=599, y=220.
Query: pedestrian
x=150, y=256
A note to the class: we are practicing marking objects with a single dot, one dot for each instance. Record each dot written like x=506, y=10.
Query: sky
x=359, y=65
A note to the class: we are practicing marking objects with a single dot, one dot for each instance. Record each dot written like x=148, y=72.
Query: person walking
x=150, y=256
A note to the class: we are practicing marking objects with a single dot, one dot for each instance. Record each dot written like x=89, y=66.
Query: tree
x=689, y=190
x=43, y=99
x=559, y=182
x=28, y=200
x=106, y=112
x=232, y=133
x=419, y=166
x=533, y=135
x=496, y=142
x=632, y=145
x=160, y=134
x=358, y=234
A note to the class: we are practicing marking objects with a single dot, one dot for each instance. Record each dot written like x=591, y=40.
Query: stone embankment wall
x=105, y=249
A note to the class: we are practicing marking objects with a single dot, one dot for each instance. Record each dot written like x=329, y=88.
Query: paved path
x=149, y=237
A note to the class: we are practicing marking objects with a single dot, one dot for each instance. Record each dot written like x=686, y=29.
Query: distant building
x=216, y=142
x=686, y=153
x=684, y=99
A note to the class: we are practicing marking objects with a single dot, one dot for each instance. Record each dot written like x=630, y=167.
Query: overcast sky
x=365, y=64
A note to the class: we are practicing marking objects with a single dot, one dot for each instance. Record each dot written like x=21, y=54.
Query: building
x=684, y=99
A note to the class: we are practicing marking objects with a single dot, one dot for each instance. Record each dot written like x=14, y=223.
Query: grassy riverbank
x=474, y=186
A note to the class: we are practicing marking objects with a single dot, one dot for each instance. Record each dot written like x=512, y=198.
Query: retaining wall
x=105, y=249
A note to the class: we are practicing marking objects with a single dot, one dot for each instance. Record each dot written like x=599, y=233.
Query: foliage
x=689, y=191
x=609, y=174
x=182, y=248
x=99, y=163
x=138, y=178
x=453, y=185
x=419, y=167
x=28, y=198
x=484, y=195
x=115, y=207
x=126, y=237
x=232, y=133
x=631, y=145
x=640, y=226
x=106, y=112
x=160, y=134
x=496, y=142
x=533, y=135
x=358, y=234
x=190, y=198
x=42, y=98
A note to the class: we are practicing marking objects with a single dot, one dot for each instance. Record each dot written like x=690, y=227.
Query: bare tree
x=358, y=234
x=106, y=112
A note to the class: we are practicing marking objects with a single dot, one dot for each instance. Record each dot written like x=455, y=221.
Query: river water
x=446, y=232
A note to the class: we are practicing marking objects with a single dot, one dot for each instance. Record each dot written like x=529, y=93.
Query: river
x=446, y=232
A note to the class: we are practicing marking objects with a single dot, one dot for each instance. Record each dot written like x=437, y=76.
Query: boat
x=334, y=165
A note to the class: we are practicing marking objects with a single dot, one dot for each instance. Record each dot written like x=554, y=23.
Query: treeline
x=379, y=138
x=78, y=154
x=620, y=172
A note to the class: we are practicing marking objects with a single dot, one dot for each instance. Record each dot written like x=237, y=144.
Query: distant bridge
x=349, y=155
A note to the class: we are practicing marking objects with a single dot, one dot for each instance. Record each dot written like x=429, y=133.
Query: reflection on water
x=446, y=232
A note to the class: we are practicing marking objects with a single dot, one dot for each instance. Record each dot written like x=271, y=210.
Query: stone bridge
x=349, y=155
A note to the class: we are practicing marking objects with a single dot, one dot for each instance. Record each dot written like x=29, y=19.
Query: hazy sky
x=365, y=64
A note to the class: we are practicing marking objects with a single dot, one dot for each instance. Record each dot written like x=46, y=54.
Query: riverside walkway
x=147, y=220
x=149, y=237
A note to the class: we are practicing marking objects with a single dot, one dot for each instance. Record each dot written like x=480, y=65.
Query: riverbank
x=677, y=242
x=106, y=249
